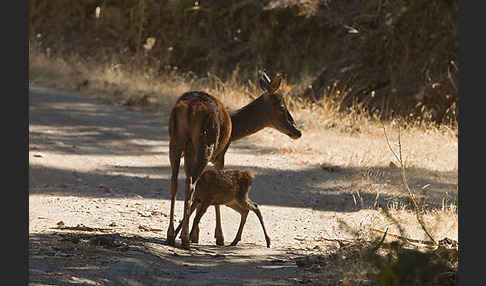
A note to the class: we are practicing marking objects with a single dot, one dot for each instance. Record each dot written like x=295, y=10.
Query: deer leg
x=218, y=162
x=175, y=160
x=189, y=191
x=195, y=224
x=254, y=207
x=194, y=235
x=218, y=232
x=194, y=166
x=193, y=208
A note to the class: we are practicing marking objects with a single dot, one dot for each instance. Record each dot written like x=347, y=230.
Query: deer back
x=196, y=115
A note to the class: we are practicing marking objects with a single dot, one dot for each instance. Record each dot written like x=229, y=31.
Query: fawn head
x=245, y=178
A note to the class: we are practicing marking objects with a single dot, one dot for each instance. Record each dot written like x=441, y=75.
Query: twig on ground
x=82, y=227
x=148, y=228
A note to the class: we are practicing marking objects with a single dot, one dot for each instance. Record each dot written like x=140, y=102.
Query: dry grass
x=112, y=77
x=351, y=139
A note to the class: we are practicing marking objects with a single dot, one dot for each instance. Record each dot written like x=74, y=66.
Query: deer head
x=281, y=119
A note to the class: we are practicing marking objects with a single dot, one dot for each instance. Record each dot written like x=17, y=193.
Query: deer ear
x=264, y=81
x=274, y=84
x=264, y=85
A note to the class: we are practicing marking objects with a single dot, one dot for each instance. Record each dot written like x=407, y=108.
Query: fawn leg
x=254, y=207
x=193, y=208
x=195, y=224
x=197, y=158
x=218, y=232
x=244, y=214
x=194, y=235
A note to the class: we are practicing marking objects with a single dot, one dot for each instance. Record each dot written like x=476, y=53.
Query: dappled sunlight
x=105, y=167
x=125, y=145
x=361, y=80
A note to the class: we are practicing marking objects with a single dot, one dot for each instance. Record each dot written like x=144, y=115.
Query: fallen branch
x=406, y=239
x=381, y=241
x=405, y=184
x=334, y=239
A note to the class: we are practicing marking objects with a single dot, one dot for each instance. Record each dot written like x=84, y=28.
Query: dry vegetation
x=392, y=57
x=359, y=141
x=332, y=139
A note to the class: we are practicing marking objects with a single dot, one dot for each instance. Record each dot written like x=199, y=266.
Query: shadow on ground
x=73, y=258
x=83, y=126
x=346, y=190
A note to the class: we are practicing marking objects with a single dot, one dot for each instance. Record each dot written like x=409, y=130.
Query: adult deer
x=201, y=130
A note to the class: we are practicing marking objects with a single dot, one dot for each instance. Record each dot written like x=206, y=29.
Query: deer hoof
x=220, y=242
x=185, y=244
x=194, y=239
x=171, y=241
x=171, y=236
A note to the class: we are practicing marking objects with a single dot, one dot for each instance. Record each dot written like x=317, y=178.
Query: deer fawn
x=228, y=188
x=201, y=130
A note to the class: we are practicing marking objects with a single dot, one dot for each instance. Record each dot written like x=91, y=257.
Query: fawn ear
x=274, y=84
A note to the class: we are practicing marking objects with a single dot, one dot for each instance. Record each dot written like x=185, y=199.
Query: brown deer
x=201, y=130
x=228, y=188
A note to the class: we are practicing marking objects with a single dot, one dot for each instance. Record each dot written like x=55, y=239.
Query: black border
x=15, y=143
x=470, y=87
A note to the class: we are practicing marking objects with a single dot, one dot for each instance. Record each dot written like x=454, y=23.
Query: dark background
x=395, y=57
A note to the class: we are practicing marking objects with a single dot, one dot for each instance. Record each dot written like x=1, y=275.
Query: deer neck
x=249, y=119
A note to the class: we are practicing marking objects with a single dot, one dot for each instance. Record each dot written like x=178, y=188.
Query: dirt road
x=99, y=203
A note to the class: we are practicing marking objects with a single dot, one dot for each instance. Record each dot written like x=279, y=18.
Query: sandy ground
x=106, y=167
